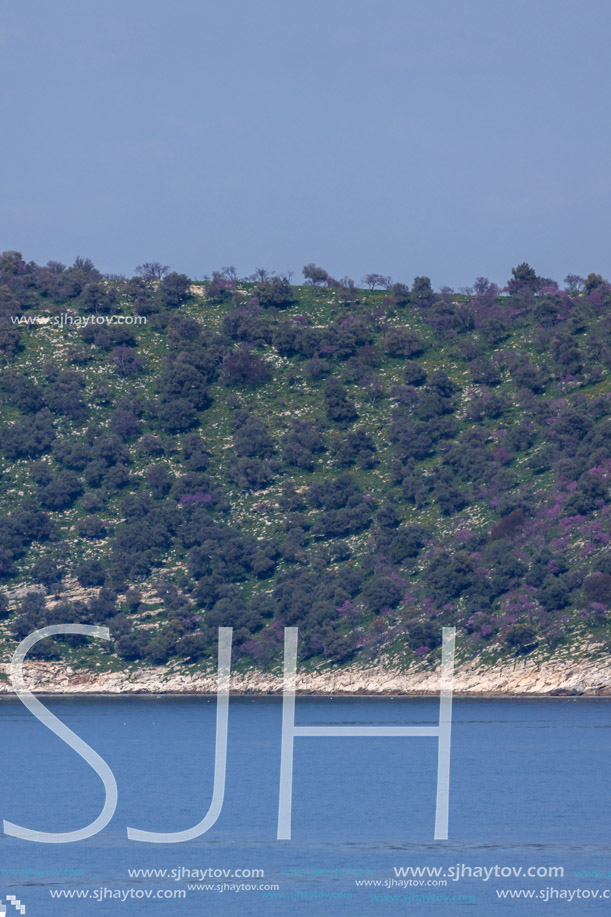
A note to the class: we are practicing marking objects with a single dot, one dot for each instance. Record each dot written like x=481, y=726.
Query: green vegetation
x=369, y=465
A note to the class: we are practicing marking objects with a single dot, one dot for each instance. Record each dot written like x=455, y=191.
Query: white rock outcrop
x=524, y=677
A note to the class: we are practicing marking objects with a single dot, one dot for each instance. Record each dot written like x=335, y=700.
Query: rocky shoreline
x=519, y=677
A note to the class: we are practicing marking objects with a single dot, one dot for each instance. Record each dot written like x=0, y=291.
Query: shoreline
x=521, y=677
x=177, y=695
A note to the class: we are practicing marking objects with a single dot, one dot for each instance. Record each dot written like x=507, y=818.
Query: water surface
x=529, y=788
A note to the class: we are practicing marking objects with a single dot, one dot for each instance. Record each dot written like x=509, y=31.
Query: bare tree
x=152, y=270
x=84, y=264
x=574, y=283
x=377, y=280
x=230, y=273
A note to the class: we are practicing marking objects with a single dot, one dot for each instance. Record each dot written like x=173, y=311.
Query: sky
x=450, y=138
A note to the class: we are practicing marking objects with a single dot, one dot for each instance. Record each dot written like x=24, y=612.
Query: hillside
x=369, y=465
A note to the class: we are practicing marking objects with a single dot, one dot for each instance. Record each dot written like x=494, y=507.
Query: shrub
x=251, y=437
x=422, y=292
x=133, y=646
x=406, y=543
x=597, y=588
x=553, y=594
x=242, y=368
x=509, y=526
x=301, y=444
x=61, y=492
x=339, y=406
x=91, y=573
x=220, y=289
x=381, y=592
x=184, y=382
x=159, y=480
x=317, y=368
x=174, y=289
x=91, y=527
x=178, y=416
x=484, y=371
x=423, y=634
x=126, y=362
x=402, y=342
x=356, y=447
x=521, y=637
x=29, y=437
x=250, y=473
x=275, y=291
x=414, y=373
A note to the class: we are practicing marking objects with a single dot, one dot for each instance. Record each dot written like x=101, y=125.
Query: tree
x=97, y=298
x=91, y=527
x=125, y=424
x=381, y=592
x=251, y=473
x=521, y=637
x=401, y=295
x=61, y=491
x=348, y=292
x=414, y=373
x=372, y=281
x=252, y=437
x=29, y=437
x=10, y=262
x=597, y=588
x=220, y=288
x=402, y=342
x=91, y=573
x=484, y=372
x=485, y=290
x=64, y=394
x=152, y=270
x=244, y=368
x=159, y=480
x=177, y=415
x=174, y=289
x=356, y=447
x=593, y=282
x=184, y=381
x=422, y=292
x=85, y=265
x=523, y=278
x=314, y=275
x=10, y=340
x=406, y=543
x=339, y=406
x=301, y=444
x=133, y=646
x=574, y=283
x=275, y=291
x=230, y=273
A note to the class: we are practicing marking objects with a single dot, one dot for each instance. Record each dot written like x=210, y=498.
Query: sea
x=529, y=829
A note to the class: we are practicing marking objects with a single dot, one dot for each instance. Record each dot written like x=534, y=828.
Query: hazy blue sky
x=442, y=137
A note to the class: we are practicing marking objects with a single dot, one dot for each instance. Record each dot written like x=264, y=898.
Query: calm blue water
x=529, y=788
